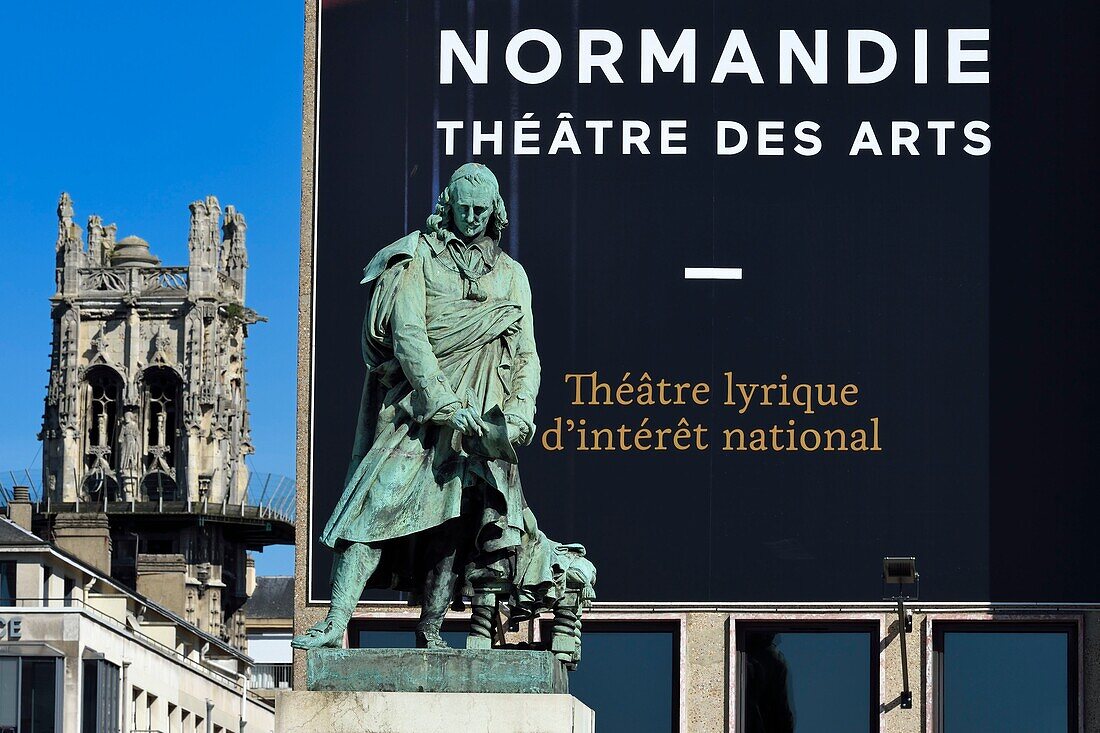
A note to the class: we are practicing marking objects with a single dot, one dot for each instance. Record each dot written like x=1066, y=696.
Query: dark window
x=99, y=706
x=29, y=702
x=400, y=634
x=163, y=546
x=103, y=395
x=1011, y=678
x=162, y=389
x=47, y=575
x=629, y=675
x=70, y=585
x=7, y=583
x=807, y=678
x=9, y=693
x=38, y=699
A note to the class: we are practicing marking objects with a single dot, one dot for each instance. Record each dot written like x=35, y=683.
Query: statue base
x=419, y=712
x=500, y=671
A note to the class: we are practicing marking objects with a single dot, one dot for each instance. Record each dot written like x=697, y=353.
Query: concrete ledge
x=420, y=712
x=499, y=671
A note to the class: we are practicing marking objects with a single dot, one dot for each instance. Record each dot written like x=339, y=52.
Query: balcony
x=265, y=513
x=134, y=280
x=271, y=677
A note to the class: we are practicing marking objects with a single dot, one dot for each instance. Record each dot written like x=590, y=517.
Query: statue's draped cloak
x=428, y=348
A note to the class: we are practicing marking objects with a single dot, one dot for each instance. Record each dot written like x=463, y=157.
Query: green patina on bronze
x=432, y=503
x=435, y=670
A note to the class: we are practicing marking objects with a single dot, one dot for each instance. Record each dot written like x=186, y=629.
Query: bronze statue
x=432, y=494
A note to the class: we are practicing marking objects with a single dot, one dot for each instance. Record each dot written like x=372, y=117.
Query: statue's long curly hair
x=442, y=219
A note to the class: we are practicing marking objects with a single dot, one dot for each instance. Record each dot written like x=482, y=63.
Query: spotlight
x=900, y=571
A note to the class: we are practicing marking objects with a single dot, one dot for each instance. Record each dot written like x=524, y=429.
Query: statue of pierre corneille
x=432, y=503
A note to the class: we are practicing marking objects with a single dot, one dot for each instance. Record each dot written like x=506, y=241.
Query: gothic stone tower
x=146, y=423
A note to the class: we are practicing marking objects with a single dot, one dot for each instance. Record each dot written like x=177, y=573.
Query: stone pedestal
x=421, y=712
x=497, y=671
x=421, y=690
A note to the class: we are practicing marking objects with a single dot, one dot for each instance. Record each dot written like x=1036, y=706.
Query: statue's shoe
x=431, y=640
x=319, y=636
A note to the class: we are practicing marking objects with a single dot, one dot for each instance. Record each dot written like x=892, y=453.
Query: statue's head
x=470, y=204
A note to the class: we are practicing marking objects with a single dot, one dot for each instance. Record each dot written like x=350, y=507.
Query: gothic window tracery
x=160, y=405
x=102, y=402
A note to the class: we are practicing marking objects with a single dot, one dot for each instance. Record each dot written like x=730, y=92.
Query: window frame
x=8, y=588
x=676, y=624
x=106, y=694
x=58, y=686
x=872, y=623
x=1071, y=625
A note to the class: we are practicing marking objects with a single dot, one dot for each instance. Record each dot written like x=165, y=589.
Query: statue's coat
x=428, y=347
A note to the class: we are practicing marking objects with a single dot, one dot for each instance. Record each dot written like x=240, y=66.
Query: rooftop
x=13, y=534
x=273, y=598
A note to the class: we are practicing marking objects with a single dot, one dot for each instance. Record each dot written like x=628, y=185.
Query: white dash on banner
x=712, y=273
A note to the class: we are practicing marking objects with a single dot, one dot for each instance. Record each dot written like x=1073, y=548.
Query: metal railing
x=271, y=677
x=266, y=496
x=273, y=495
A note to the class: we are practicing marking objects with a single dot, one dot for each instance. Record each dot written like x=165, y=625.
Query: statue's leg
x=483, y=609
x=353, y=567
x=565, y=636
x=439, y=584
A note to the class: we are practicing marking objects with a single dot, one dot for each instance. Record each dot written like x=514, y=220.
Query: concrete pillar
x=85, y=535
x=20, y=510
x=163, y=579
x=705, y=676
x=1091, y=671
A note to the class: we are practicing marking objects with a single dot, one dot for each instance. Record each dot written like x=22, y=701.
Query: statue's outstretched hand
x=466, y=421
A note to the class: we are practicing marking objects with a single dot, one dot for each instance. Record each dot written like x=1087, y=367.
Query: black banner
x=914, y=279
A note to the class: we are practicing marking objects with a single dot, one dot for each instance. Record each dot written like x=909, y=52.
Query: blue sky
x=137, y=109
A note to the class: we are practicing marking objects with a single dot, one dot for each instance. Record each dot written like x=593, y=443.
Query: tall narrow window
x=9, y=693
x=99, y=697
x=102, y=398
x=808, y=678
x=39, y=705
x=150, y=710
x=7, y=583
x=47, y=577
x=1011, y=678
x=162, y=389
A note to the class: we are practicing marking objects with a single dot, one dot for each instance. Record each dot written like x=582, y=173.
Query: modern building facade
x=725, y=666
x=82, y=653
x=762, y=667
